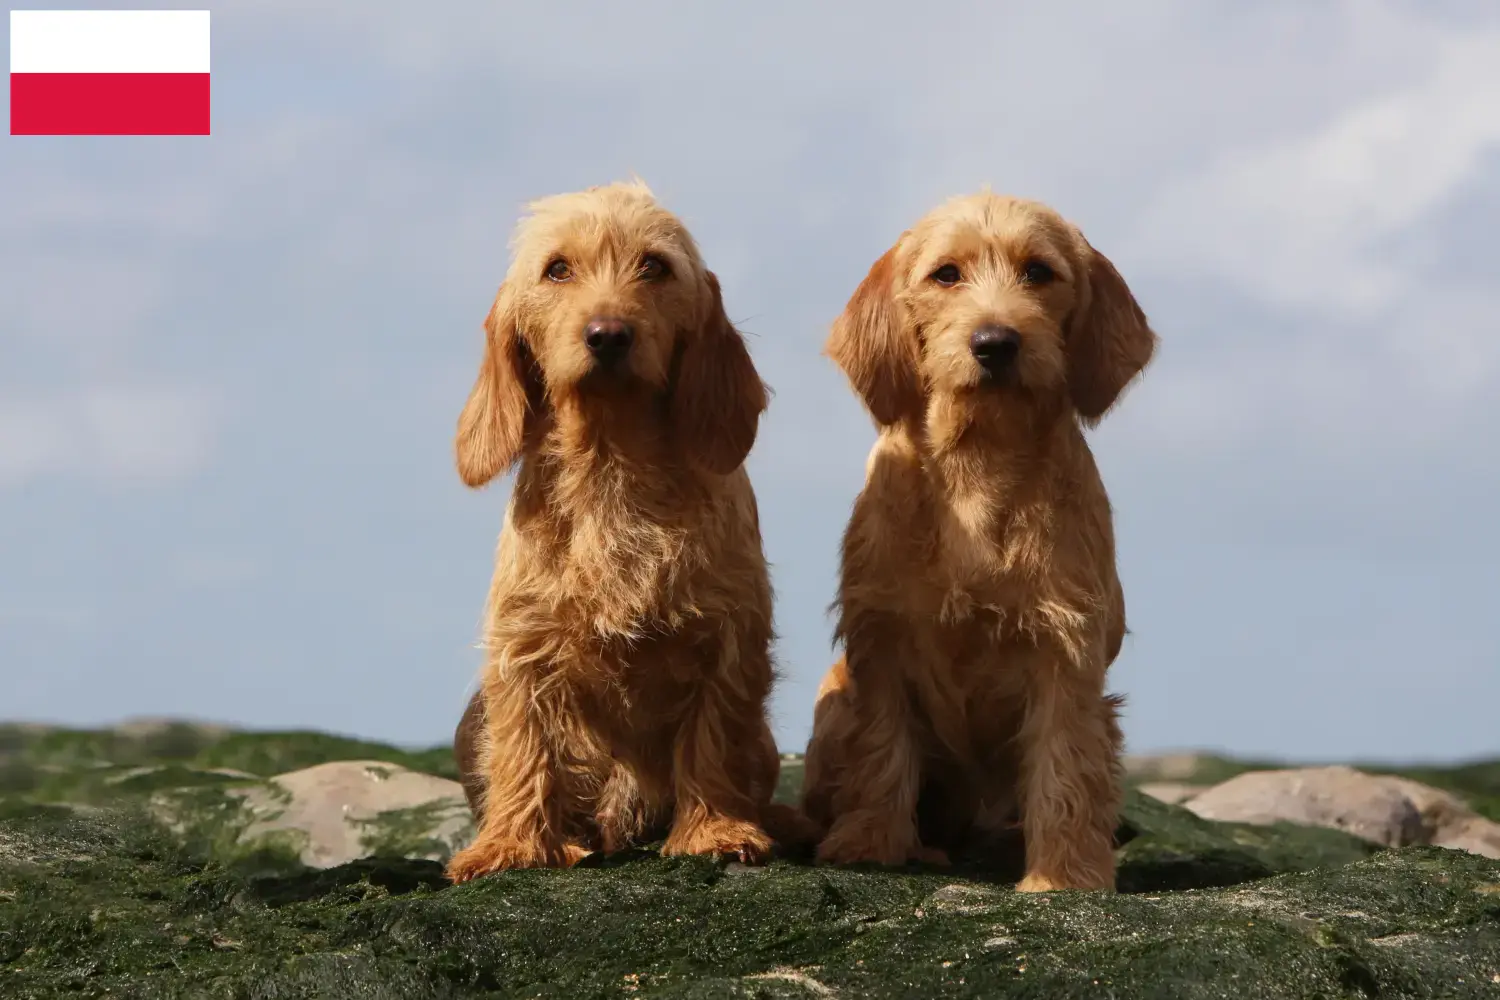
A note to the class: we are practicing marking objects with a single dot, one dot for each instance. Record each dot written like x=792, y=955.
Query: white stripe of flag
x=109, y=41
x=109, y=72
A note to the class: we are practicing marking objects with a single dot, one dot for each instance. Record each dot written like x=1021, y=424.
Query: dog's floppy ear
x=875, y=353
x=1109, y=341
x=717, y=396
x=507, y=392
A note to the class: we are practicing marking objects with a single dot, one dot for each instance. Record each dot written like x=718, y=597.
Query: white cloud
x=1351, y=338
x=129, y=434
x=1301, y=221
x=96, y=260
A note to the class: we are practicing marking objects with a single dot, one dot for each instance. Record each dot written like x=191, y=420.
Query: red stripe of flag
x=109, y=104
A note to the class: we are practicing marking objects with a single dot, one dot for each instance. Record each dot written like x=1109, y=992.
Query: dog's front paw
x=721, y=836
x=495, y=854
x=863, y=838
x=1039, y=882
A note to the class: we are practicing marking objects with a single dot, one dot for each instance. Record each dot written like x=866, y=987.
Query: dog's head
x=607, y=303
x=989, y=294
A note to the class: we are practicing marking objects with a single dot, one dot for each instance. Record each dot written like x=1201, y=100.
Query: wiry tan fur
x=628, y=626
x=979, y=606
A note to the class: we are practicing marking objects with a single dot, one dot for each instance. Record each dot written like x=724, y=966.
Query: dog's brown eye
x=1037, y=272
x=559, y=270
x=653, y=267
x=947, y=275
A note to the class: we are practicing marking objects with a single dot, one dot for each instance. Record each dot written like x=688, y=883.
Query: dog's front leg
x=527, y=797
x=1070, y=743
x=874, y=804
x=714, y=772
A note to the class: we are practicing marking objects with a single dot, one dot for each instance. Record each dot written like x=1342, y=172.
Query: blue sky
x=230, y=366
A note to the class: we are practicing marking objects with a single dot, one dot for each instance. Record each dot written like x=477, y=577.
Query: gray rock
x=1439, y=809
x=1388, y=810
x=1341, y=798
x=1476, y=835
x=962, y=898
x=1448, y=821
x=341, y=811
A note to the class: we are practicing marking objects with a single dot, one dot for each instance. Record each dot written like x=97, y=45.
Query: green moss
x=276, y=753
x=60, y=750
x=110, y=904
x=1166, y=847
x=411, y=832
x=148, y=890
x=1477, y=782
x=789, y=781
x=18, y=777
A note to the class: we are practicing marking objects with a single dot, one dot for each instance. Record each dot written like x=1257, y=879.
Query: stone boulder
x=1447, y=821
x=1340, y=798
x=124, y=872
x=338, y=812
x=1385, y=810
x=1476, y=835
x=106, y=904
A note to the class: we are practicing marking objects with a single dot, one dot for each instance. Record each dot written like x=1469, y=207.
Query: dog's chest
x=644, y=682
x=619, y=566
x=983, y=579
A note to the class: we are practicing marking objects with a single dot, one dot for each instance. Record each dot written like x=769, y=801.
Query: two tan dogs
x=628, y=627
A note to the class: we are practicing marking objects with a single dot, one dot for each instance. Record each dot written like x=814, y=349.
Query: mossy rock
x=108, y=904
x=1477, y=783
x=101, y=896
x=35, y=755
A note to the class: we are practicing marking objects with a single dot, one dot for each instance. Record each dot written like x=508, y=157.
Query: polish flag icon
x=109, y=72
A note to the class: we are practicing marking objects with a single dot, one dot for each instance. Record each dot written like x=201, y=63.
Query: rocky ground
x=168, y=860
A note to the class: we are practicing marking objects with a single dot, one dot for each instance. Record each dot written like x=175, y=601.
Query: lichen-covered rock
x=1387, y=809
x=1474, y=834
x=345, y=810
x=1448, y=821
x=1340, y=798
x=33, y=756
x=1477, y=783
x=127, y=874
x=109, y=905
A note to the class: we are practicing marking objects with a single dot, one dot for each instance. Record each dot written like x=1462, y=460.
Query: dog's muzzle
x=995, y=348
x=608, y=339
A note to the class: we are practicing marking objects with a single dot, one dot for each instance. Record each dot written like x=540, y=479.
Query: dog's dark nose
x=995, y=347
x=608, y=338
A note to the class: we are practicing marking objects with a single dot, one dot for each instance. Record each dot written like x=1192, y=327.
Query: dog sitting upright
x=628, y=626
x=979, y=606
